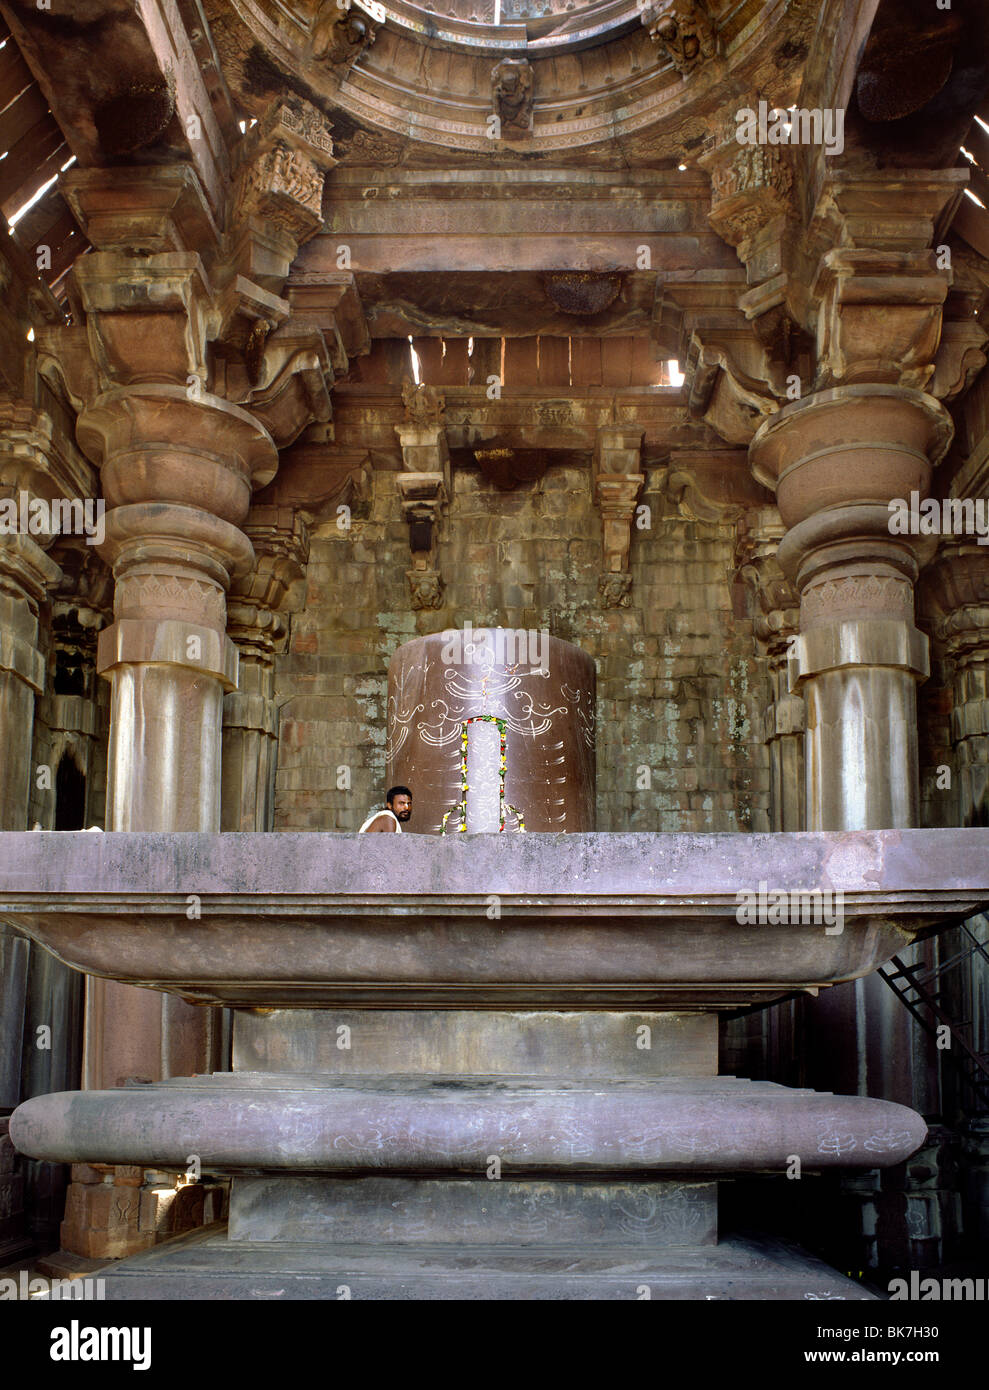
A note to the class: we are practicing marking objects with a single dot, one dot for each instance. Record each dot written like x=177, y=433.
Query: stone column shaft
x=836, y=460
x=177, y=473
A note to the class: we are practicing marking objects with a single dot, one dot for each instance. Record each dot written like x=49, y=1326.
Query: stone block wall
x=680, y=685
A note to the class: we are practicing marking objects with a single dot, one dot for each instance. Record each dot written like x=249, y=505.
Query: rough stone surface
x=404, y=1211
x=368, y=1042
x=680, y=685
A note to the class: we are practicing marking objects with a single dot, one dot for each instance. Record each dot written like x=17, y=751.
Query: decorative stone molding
x=683, y=29
x=857, y=595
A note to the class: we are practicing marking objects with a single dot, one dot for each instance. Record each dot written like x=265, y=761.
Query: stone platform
x=574, y=921
x=462, y=1074
x=504, y=1187
x=208, y=1266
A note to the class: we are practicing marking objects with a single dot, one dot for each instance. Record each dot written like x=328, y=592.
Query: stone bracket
x=424, y=497
x=616, y=495
x=880, y=317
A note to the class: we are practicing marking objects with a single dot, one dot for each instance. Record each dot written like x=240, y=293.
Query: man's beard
x=404, y=815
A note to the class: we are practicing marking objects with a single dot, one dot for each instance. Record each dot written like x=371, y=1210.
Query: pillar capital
x=148, y=319
x=849, y=445
x=141, y=211
x=165, y=443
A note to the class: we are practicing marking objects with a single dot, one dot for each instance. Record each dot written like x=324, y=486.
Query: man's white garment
x=374, y=816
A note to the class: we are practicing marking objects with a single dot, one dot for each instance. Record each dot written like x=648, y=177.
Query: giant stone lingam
x=478, y=1065
x=493, y=729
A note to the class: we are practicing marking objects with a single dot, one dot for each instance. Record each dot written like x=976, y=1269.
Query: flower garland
x=503, y=806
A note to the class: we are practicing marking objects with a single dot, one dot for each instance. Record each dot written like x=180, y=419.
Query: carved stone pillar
x=26, y=575
x=177, y=476
x=256, y=625
x=617, y=485
x=835, y=460
x=776, y=625
x=177, y=464
x=27, y=572
x=960, y=578
x=424, y=488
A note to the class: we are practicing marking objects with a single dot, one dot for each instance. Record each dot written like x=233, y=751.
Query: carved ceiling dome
x=612, y=81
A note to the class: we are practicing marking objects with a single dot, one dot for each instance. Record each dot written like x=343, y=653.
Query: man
x=399, y=803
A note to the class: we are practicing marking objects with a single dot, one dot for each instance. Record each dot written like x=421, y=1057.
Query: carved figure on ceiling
x=341, y=34
x=511, y=90
x=684, y=29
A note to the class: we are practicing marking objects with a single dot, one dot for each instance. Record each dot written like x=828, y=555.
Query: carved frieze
x=284, y=188
x=750, y=185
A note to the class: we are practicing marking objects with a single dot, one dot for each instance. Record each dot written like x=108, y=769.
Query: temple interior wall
x=686, y=706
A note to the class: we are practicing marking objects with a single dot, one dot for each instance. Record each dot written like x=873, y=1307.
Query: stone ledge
x=586, y=920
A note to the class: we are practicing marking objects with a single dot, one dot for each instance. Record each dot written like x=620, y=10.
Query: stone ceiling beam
x=123, y=78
